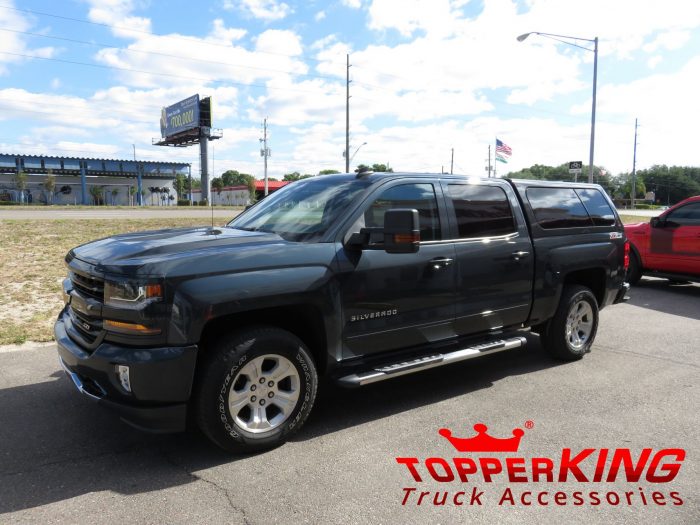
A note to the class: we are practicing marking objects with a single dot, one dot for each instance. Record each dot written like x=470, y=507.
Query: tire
x=573, y=328
x=256, y=389
x=634, y=272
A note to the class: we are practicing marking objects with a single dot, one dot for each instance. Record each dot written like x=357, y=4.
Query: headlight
x=128, y=294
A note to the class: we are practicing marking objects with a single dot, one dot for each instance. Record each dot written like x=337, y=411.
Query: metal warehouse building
x=121, y=182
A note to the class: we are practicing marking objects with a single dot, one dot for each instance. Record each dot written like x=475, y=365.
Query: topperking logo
x=482, y=460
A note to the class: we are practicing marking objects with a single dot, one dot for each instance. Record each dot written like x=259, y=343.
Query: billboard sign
x=180, y=117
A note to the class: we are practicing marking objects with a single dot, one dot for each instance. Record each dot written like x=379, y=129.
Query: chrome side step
x=430, y=361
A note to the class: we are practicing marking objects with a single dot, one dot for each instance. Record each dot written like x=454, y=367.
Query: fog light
x=123, y=374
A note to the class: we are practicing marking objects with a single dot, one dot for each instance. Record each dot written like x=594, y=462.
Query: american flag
x=503, y=148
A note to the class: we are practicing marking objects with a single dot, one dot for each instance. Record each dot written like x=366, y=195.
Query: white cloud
x=14, y=44
x=670, y=40
x=118, y=13
x=55, y=83
x=268, y=10
x=321, y=15
x=221, y=33
x=654, y=61
x=352, y=4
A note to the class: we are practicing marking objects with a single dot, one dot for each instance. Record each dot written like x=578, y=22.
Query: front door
x=675, y=247
x=393, y=301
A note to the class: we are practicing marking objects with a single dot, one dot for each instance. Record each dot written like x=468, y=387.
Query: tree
x=132, y=192
x=97, y=192
x=382, y=168
x=49, y=186
x=671, y=184
x=295, y=175
x=115, y=192
x=20, y=182
x=328, y=172
x=217, y=184
x=180, y=185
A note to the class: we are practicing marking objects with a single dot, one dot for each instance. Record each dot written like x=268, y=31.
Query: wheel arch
x=305, y=321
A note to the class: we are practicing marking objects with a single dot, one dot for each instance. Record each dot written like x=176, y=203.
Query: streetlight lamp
x=559, y=38
x=345, y=153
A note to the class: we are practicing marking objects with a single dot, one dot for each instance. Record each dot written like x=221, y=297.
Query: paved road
x=40, y=212
x=65, y=460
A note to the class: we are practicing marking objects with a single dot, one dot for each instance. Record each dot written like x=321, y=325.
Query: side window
x=688, y=215
x=597, y=207
x=557, y=208
x=415, y=196
x=482, y=211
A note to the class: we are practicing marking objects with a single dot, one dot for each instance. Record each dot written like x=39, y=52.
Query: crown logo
x=482, y=442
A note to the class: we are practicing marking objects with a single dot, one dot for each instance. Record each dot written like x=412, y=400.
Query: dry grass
x=32, y=268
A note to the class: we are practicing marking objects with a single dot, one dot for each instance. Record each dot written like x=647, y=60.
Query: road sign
x=575, y=166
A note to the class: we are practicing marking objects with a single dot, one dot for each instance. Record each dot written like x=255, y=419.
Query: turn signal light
x=406, y=238
x=626, y=263
x=130, y=328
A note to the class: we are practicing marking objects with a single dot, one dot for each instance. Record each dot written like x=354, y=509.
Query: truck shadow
x=662, y=296
x=56, y=445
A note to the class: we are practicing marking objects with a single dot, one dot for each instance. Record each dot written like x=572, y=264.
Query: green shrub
x=183, y=202
x=9, y=203
x=203, y=203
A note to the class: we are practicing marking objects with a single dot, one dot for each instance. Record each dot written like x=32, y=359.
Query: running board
x=430, y=361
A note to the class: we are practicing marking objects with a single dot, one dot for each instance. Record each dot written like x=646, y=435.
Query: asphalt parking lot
x=65, y=460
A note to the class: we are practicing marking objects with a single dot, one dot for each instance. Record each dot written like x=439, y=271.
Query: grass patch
x=31, y=263
x=32, y=266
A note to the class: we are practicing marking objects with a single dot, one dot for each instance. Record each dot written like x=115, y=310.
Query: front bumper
x=161, y=379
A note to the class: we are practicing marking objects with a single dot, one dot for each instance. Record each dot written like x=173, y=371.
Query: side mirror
x=657, y=222
x=401, y=231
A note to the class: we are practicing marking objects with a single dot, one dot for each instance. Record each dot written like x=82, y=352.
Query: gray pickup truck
x=356, y=278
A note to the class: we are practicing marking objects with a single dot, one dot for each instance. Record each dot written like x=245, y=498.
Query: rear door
x=392, y=300
x=494, y=256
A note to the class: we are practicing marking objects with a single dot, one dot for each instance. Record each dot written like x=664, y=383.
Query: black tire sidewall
x=557, y=342
x=233, y=353
x=634, y=272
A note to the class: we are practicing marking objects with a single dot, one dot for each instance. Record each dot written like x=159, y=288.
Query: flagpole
x=489, y=160
x=495, y=164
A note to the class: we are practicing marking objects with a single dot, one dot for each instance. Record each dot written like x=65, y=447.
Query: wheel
x=256, y=389
x=634, y=272
x=573, y=328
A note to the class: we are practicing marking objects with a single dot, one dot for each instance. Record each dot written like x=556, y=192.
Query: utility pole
x=347, y=114
x=634, y=167
x=265, y=151
x=452, y=161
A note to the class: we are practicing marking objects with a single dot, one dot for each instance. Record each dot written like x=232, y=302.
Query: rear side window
x=558, y=208
x=597, y=207
x=482, y=211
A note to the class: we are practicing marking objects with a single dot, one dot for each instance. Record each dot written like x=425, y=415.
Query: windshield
x=304, y=210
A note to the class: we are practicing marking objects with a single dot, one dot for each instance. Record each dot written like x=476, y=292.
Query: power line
x=134, y=30
x=167, y=55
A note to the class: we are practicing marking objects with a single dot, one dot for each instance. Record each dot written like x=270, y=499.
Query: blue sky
x=88, y=77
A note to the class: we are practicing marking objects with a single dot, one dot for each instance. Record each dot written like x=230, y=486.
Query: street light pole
x=594, y=41
x=358, y=149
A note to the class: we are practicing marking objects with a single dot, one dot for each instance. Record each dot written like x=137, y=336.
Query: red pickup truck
x=668, y=245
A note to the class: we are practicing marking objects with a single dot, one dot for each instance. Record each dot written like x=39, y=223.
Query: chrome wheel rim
x=579, y=324
x=264, y=393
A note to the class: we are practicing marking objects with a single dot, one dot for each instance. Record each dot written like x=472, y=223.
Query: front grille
x=88, y=286
x=89, y=328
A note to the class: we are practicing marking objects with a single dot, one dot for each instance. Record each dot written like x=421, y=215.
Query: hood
x=117, y=253
x=636, y=227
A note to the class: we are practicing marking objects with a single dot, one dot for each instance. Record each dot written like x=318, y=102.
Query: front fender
x=199, y=300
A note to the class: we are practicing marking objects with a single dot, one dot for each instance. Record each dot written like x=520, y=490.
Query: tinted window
x=688, y=215
x=482, y=211
x=303, y=210
x=413, y=196
x=557, y=208
x=597, y=207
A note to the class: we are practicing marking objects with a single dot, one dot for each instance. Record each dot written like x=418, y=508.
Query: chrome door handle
x=440, y=262
x=519, y=255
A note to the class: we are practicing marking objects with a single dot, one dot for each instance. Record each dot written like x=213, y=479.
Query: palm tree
x=115, y=192
x=97, y=192
x=20, y=180
x=49, y=186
